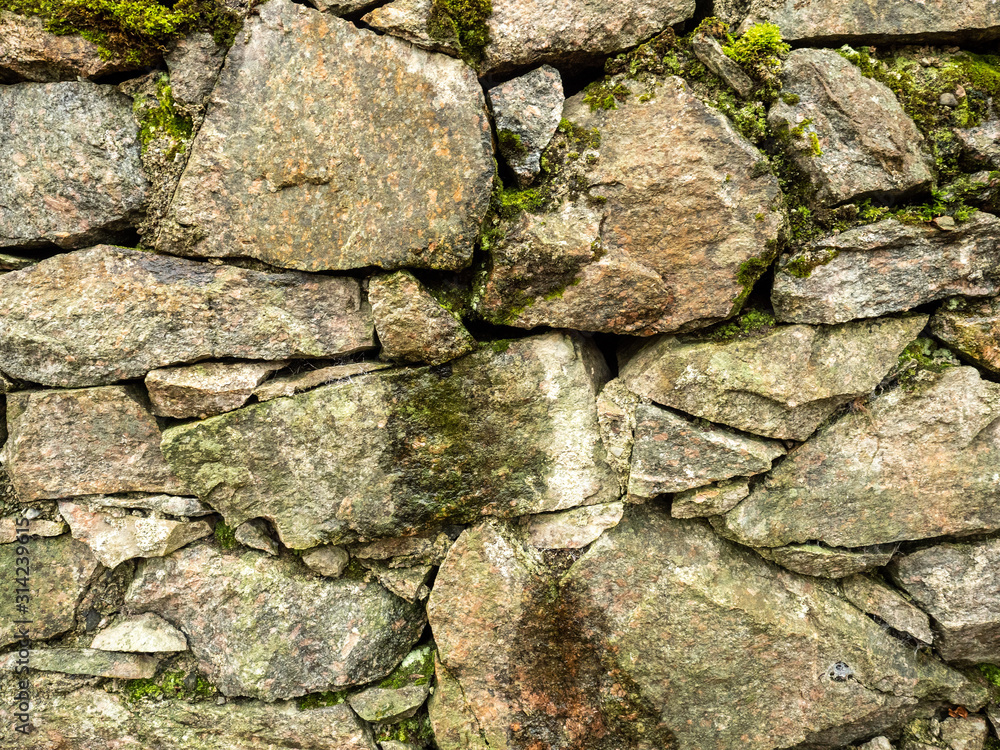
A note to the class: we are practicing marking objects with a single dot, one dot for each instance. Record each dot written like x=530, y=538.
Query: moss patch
x=751, y=324
x=510, y=142
x=162, y=120
x=322, y=700
x=605, y=94
x=758, y=51
x=225, y=536
x=920, y=362
x=171, y=685
x=463, y=21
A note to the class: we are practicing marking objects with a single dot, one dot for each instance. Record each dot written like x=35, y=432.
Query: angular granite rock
x=400, y=694
x=911, y=465
x=848, y=133
x=391, y=167
x=12, y=528
x=256, y=534
x=959, y=586
x=86, y=661
x=409, y=584
x=876, y=598
x=289, y=385
x=887, y=267
x=260, y=628
x=981, y=144
x=711, y=55
x=412, y=326
x=144, y=634
x=107, y=313
x=573, y=528
x=782, y=384
x=70, y=172
x=672, y=454
x=972, y=329
x=616, y=407
x=61, y=569
x=194, y=65
x=711, y=500
x=826, y=562
x=510, y=432
x=84, y=441
x=329, y=561
x=206, y=389
x=527, y=110
x=965, y=733
x=660, y=227
x=411, y=20
x=406, y=551
x=168, y=504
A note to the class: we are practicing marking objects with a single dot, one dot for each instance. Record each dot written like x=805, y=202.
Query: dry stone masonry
x=500, y=375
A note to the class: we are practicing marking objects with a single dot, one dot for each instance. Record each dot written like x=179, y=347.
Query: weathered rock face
x=573, y=528
x=85, y=661
x=82, y=442
x=272, y=632
x=826, y=562
x=673, y=208
x=971, y=328
x=711, y=500
x=289, y=385
x=194, y=65
x=507, y=433
x=390, y=167
x=890, y=486
x=146, y=634
x=782, y=384
x=169, y=504
x=887, y=267
x=876, y=598
x=70, y=172
x=981, y=144
x=105, y=314
x=958, y=586
x=204, y=390
x=848, y=133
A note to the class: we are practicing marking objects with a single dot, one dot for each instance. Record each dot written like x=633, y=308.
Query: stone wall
x=511, y=375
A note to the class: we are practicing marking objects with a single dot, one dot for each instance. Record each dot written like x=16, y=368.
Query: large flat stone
x=204, y=390
x=144, y=634
x=971, y=328
x=390, y=167
x=509, y=433
x=107, y=313
x=876, y=598
x=87, y=661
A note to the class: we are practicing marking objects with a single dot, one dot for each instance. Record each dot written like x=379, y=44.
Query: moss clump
x=510, y=142
x=759, y=52
x=803, y=264
x=942, y=203
x=322, y=700
x=791, y=99
x=415, y=731
x=225, y=536
x=992, y=673
x=920, y=362
x=814, y=144
x=605, y=94
x=135, y=31
x=750, y=324
x=171, y=685
x=463, y=21
x=163, y=120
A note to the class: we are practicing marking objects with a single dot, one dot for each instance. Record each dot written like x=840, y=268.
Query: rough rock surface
x=671, y=454
x=616, y=407
x=194, y=65
x=826, y=562
x=342, y=7
x=971, y=328
x=981, y=144
x=876, y=598
x=408, y=449
x=573, y=528
x=105, y=314
x=671, y=210
x=782, y=384
x=12, y=528
x=406, y=551
x=957, y=585
x=390, y=167
x=84, y=441
x=412, y=326
x=527, y=110
x=271, y=632
x=709, y=501
x=409, y=584
x=711, y=55
x=887, y=267
x=256, y=534
x=411, y=20
x=400, y=694
x=912, y=465
x=86, y=661
x=289, y=385
x=70, y=172
x=328, y=561
x=848, y=133
x=144, y=634
x=204, y=390
x=169, y=504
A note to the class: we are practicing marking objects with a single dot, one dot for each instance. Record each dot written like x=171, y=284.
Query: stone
x=826, y=562
x=206, y=389
x=847, y=133
x=144, y=634
x=890, y=485
x=84, y=441
x=858, y=21
x=452, y=719
x=134, y=311
x=61, y=569
x=171, y=505
x=86, y=661
x=710, y=53
x=30, y=53
x=261, y=628
x=342, y=7
x=663, y=223
x=194, y=65
x=401, y=694
x=412, y=326
x=782, y=384
x=945, y=223
x=406, y=450
x=571, y=529
x=10, y=529
x=876, y=598
x=392, y=167
x=72, y=177
x=981, y=144
x=256, y=535
x=993, y=714
x=957, y=585
x=878, y=743
x=117, y=538
x=289, y=385
x=429, y=548
x=521, y=33
x=885, y=268
x=527, y=110
x=972, y=329
x=711, y=500
x=672, y=453
x=330, y=561
x=948, y=99
x=409, y=584
x=616, y=407
x=968, y=733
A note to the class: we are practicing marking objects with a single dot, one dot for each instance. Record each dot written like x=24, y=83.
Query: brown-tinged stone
x=205, y=389
x=12, y=528
x=84, y=441
x=86, y=661
x=409, y=584
x=107, y=313
x=391, y=167
x=144, y=634
x=972, y=329
x=168, y=504
x=289, y=385
x=571, y=529
x=194, y=65
x=411, y=20
x=256, y=535
x=260, y=627
x=406, y=551
x=965, y=733
x=616, y=407
x=710, y=53
x=330, y=560
x=876, y=598
x=711, y=500
x=826, y=562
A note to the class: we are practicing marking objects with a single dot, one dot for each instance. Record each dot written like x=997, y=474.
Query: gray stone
x=105, y=314
x=289, y=385
x=205, y=389
x=911, y=465
x=86, y=661
x=452, y=718
x=411, y=20
x=144, y=634
x=82, y=442
x=879, y=743
x=12, y=528
x=710, y=53
x=407, y=551
x=616, y=407
x=194, y=65
x=782, y=384
x=661, y=223
x=330, y=561
x=409, y=584
x=971, y=328
x=391, y=167
x=527, y=110
x=826, y=562
x=981, y=144
x=571, y=529
x=875, y=598
x=260, y=628
x=848, y=133
x=168, y=504
x=70, y=172
x=256, y=535
x=968, y=733
x=342, y=7
x=405, y=450
x=711, y=500
x=958, y=586
x=887, y=267
x=401, y=694
x=412, y=326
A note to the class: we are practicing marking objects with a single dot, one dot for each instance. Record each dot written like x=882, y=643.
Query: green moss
x=802, y=265
x=322, y=700
x=790, y=99
x=499, y=346
x=163, y=120
x=416, y=669
x=759, y=52
x=513, y=202
x=992, y=673
x=170, y=685
x=919, y=359
x=750, y=324
x=463, y=21
x=510, y=142
x=814, y=144
x=415, y=731
x=225, y=536
x=942, y=203
x=605, y=94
